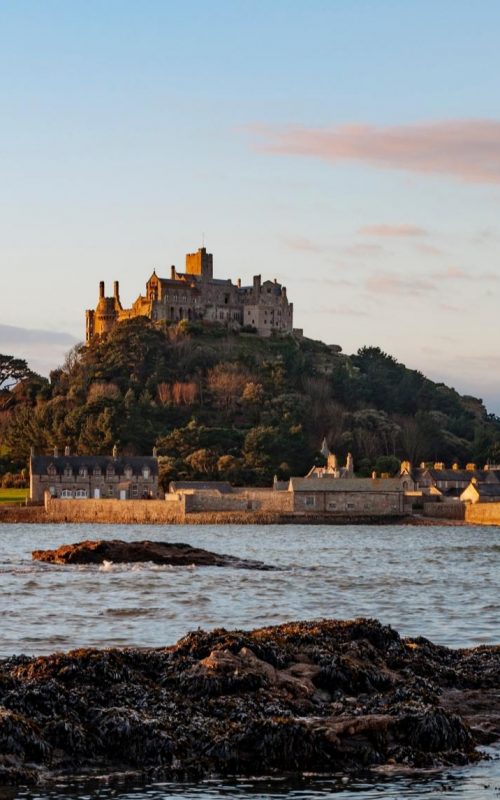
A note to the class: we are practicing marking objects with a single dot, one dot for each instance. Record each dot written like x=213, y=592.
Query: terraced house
x=93, y=477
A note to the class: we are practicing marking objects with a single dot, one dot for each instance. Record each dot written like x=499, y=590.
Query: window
x=97, y=471
x=82, y=472
x=350, y=506
x=110, y=471
x=332, y=505
x=81, y=494
x=68, y=472
x=110, y=491
x=51, y=470
x=310, y=501
x=145, y=473
x=134, y=490
x=128, y=472
x=66, y=494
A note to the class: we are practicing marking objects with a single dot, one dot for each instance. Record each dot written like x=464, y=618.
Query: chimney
x=67, y=451
x=115, y=451
x=470, y=467
x=455, y=467
x=374, y=476
x=101, y=289
x=155, y=452
x=238, y=283
x=116, y=290
x=256, y=284
x=32, y=451
x=56, y=452
x=172, y=272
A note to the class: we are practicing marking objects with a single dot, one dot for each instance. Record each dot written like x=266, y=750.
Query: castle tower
x=200, y=263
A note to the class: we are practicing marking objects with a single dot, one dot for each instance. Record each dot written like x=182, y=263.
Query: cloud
x=302, y=243
x=392, y=230
x=43, y=350
x=390, y=284
x=467, y=150
x=342, y=311
x=458, y=274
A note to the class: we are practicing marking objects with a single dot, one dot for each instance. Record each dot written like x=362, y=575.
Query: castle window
x=145, y=473
x=66, y=494
x=82, y=472
x=81, y=494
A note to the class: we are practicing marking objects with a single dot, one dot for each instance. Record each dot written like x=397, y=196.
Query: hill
x=240, y=407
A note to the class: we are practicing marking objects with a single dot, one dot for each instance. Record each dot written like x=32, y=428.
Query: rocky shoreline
x=323, y=696
x=175, y=554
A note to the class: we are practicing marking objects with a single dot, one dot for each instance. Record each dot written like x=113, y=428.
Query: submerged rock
x=119, y=552
x=324, y=696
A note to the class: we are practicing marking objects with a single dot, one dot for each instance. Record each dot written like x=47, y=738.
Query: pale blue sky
x=129, y=129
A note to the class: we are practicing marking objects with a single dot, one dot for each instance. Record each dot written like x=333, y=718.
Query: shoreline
x=36, y=515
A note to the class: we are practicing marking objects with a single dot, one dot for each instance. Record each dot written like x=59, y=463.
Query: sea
x=442, y=582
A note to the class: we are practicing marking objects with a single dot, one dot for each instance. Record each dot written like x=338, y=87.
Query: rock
x=119, y=552
x=325, y=696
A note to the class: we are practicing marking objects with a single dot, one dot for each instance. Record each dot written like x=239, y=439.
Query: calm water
x=442, y=583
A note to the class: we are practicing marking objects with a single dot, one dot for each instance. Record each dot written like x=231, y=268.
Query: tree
x=12, y=370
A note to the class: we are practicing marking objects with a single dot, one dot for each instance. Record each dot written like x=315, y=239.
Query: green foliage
x=238, y=407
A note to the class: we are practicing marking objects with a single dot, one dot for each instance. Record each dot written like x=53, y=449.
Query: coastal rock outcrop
x=173, y=553
x=324, y=696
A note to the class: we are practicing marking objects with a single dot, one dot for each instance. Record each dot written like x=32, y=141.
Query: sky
x=351, y=149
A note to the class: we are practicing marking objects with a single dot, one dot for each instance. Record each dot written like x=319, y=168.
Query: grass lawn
x=13, y=495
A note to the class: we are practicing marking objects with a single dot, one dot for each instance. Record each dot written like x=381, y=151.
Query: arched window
x=66, y=494
x=81, y=494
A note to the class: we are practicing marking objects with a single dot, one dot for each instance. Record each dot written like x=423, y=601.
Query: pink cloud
x=457, y=274
x=392, y=230
x=390, y=284
x=468, y=150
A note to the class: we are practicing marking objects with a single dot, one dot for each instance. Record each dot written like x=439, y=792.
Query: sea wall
x=455, y=510
x=483, y=513
x=119, y=511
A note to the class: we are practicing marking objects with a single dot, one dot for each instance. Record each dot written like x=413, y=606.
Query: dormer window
x=145, y=473
x=51, y=470
x=68, y=472
x=97, y=471
x=82, y=472
x=128, y=472
x=110, y=471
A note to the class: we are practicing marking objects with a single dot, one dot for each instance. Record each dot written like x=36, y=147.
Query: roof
x=487, y=489
x=39, y=464
x=346, y=485
x=219, y=486
x=457, y=474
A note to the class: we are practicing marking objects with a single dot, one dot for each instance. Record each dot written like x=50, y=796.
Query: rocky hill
x=240, y=407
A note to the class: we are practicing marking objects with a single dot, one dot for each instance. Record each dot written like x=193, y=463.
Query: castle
x=196, y=295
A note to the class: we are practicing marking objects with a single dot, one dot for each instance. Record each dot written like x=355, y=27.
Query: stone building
x=349, y=496
x=98, y=477
x=196, y=295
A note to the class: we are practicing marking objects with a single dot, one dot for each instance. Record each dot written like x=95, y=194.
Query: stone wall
x=444, y=510
x=118, y=511
x=483, y=513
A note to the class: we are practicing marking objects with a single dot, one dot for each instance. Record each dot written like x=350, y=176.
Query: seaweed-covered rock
x=171, y=553
x=307, y=696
